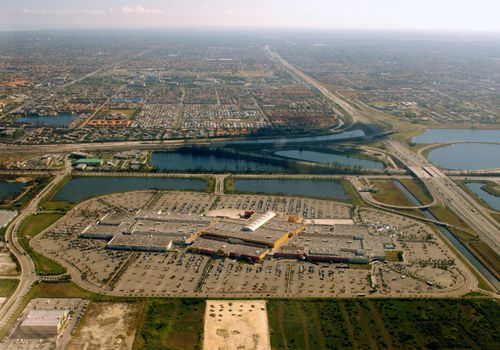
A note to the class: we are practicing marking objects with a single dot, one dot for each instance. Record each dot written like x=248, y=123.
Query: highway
x=303, y=77
x=439, y=184
x=450, y=193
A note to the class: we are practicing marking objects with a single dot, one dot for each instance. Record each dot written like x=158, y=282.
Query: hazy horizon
x=361, y=15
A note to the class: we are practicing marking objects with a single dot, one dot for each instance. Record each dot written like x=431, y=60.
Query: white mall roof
x=259, y=220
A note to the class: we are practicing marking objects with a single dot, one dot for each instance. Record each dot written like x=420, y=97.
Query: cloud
x=138, y=9
x=125, y=10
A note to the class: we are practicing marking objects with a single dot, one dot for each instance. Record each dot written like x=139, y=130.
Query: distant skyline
x=431, y=15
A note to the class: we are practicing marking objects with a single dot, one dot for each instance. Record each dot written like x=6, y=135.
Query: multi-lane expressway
x=450, y=193
x=438, y=183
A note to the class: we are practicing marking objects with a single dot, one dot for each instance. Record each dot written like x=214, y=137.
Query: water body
x=329, y=189
x=467, y=156
x=491, y=200
x=328, y=158
x=48, y=120
x=183, y=161
x=457, y=135
x=79, y=188
x=449, y=235
x=10, y=189
x=352, y=134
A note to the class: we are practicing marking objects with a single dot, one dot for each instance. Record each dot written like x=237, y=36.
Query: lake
x=346, y=135
x=491, y=200
x=186, y=161
x=457, y=135
x=328, y=158
x=9, y=190
x=329, y=189
x=466, y=156
x=79, y=188
x=57, y=120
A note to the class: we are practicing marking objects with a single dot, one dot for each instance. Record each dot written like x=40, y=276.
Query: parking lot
x=427, y=265
x=16, y=340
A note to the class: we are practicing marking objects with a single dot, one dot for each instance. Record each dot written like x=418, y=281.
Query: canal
x=451, y=237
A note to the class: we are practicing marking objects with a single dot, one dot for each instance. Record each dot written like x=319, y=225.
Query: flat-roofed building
x=272, y=235
x=241, y=239
x=43, y=323
x=231, y=249
x=342, y=243
x=141, y=243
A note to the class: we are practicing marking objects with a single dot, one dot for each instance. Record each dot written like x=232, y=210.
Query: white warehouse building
x=44, y=323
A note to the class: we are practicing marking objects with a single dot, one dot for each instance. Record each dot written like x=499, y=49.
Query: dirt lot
x=236, y=324
x=7, y=265
x=108, y=326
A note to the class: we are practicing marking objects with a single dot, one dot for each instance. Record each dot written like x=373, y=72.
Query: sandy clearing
x=7, y=265
x=236, y=324
x=108, y=326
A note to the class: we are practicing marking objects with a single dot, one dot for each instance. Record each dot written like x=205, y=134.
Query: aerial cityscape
x=222, y=175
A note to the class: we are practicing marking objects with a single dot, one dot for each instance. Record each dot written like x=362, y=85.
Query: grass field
x=7, y=287
x=418, y=189
x=175, y=324
x=29, y=228
x=384, y=324
x=129, y=113
x=389, y=194
x=35, y=224
x=48, y=202
x=210, y=180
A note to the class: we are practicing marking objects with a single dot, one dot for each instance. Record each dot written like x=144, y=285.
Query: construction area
x=236, y=324
x=107, y=325
x=162, y=243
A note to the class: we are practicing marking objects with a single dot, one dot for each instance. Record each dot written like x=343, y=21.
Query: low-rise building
x=44, y=323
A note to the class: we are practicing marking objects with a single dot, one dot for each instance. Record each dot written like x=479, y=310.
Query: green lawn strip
x=28, y=229
x=491, y=188
x=48, y=202
x=418, y=189
x=388, y=193
x=210, y=181
x=229, y=185
x=35, y=224
x=446, y=215
x=171, y=324
x=353, y=194
x=7, y=287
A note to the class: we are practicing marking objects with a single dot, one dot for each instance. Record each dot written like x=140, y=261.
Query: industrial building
x=249, y=239
x=88, y=162
x=339, y=243
x=43, y=323
x=145, y=230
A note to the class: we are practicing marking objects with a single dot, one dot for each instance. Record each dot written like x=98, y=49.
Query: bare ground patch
x=236, y=324
x=108, y=326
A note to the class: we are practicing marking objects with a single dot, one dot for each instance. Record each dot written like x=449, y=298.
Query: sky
x=429, y=15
